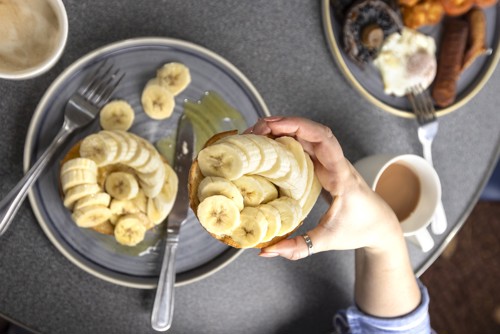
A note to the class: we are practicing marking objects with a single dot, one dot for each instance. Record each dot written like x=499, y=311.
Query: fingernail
x=268, y=254
x=272, y=118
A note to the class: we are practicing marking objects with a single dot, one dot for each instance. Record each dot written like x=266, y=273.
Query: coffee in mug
x=399, y=187
x=32, y=35
x=410, y=186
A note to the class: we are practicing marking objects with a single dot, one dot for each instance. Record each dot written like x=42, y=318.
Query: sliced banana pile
x=119, y=185
x=252, y=191
x=158, y=97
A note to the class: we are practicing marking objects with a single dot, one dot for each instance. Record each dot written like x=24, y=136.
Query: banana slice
x=157, y=101
x=164, y=201
x=120, y=207
x=174, y=76
x=153, y=163
x=122, y=153
x=224, y=160
x=154, y=214
x=282, y=165
x=79, y=163
x=77, y=177
x=97, y=148
x=308, y=188
x=292, y=179
x=252, y=228
x=218, y=214
x=78, y=192
x=140, y=201
x=312, y=197
x=290, y=213
x=101, y=198
x=152, y=183
x=129, y=230
x=248, y=147
x=141, y=154
x=215, y=185
x=273, y=218
x=268, y=154
x=117, y=115
x=251, y=190
x=270, y=191
x=121, y=185
x=297, y=187
x=91, y=215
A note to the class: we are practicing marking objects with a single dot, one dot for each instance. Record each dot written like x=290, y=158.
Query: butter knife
x=163, y=308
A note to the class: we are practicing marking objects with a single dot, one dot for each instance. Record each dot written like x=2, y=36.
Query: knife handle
x=163, y=309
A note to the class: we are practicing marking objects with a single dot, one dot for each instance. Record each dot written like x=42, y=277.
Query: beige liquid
x=399, y=186
x=29, y=31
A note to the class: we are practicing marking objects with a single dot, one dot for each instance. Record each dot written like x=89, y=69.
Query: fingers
x=317, y=139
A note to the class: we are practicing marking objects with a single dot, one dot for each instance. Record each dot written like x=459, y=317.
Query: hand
x=357, y=217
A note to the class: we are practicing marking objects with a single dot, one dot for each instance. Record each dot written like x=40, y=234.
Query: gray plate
x=369, y=84
x=199, y=254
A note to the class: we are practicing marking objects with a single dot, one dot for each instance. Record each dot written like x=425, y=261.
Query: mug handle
x=422, y=239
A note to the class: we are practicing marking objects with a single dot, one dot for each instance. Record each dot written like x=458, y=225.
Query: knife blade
x=163, y=308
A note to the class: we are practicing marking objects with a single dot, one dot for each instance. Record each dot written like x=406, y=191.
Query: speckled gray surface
x=281, y=48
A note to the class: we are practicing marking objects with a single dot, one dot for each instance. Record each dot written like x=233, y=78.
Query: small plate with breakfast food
x=385, y=47
x=105, y=197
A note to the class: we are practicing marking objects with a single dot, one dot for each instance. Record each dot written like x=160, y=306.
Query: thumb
x=292, y=249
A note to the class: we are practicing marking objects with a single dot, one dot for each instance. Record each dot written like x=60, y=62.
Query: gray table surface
x=280, y=46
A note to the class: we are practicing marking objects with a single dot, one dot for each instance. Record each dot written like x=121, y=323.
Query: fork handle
x=11, y=203
x=439, y=220
x=427, y=152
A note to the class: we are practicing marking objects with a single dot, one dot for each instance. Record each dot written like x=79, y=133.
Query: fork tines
x=101, y=84
x=422, y=104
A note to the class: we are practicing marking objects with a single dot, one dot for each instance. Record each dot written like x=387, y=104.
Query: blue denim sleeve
x=355, y=321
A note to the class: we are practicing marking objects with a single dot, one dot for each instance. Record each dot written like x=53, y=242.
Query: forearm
x=385, y=283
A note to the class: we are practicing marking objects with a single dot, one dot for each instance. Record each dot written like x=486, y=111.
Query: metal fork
x=82, y=107
x=425, y=113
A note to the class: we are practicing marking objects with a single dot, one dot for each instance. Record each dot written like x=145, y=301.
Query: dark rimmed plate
x=199, y=254
x=368, y=81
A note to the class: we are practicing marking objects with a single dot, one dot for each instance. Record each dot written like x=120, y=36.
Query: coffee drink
x=399, y=186
x=29, y=33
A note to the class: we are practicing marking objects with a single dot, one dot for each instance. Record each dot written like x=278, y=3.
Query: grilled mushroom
x=367, y=23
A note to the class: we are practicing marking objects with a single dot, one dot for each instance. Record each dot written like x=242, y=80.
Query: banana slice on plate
x=157, y=101
x=100, y=198
x=218, y=214
x=79, y=163
x=174, y=76
x=77, y=177
x=215, y=185
x=121, y=185
x=164, y=201
x=130, y=230
x=117, y=115
x=91, y=215
x=78, y=192
x=97, y=148
x=122, y=207
x=224, y=160
x=252, y=228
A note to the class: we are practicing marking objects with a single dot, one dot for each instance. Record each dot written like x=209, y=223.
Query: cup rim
x=47, y=64
x=434, y=175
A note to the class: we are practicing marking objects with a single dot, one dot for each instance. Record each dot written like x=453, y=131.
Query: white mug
x=33, y=35
x=415, y=224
